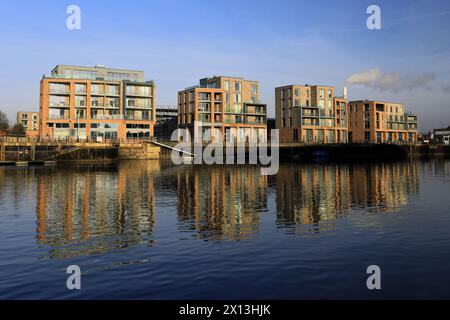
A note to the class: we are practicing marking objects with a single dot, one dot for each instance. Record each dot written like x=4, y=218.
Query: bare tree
x=4, y=123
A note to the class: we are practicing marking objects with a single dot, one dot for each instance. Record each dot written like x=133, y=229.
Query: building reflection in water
x=87, y=211
x=438, y=167
x=314, y=196
x=222, y=202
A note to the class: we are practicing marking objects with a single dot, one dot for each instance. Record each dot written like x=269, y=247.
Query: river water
x=151, y=230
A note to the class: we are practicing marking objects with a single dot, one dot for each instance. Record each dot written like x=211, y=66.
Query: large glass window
x=80, y=88
x=138, y=103
x=97, y=89
x=204, y=96
x=58, y=101
x=80, y=101
x=138, y=90
x=58, y=113
x=119, y=76
x=112, y=89
x=58, y=88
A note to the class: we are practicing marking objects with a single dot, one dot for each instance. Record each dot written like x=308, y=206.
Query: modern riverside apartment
x=225, y=103
x=30, y=122
x=96, y=103
x=310, y=114
x=381, y=122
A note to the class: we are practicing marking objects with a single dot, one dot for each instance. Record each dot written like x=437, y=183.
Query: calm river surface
x=149, y=230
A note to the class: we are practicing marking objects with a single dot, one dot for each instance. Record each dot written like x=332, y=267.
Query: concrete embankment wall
x=349, y=152
x=77, y=151
x=434, y=151
x=139, y=152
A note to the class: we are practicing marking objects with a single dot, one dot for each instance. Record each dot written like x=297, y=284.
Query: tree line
x=16, y=130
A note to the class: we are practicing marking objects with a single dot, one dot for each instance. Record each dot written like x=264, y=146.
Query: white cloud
x=393, y=82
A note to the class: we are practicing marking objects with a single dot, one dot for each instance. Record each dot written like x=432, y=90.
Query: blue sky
x=276, y=42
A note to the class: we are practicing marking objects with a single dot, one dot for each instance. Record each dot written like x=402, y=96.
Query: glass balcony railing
x=306, y=113
x=58, y=105
x=58, y=116
x=107, y=117
x=59, y=91
x=131, y=117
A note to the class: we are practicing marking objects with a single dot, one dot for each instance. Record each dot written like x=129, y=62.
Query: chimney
x=345, y=92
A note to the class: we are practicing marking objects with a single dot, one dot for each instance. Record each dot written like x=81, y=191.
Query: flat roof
x=306, y=85
x=376, y=101
x=102, y=67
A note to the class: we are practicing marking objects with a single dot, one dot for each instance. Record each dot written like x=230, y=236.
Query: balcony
x=104, y=107
x=234, y=110
x=235, y=121
x=256, y=111
x=310, y=123
x=139, y=107
x=107, y=117
x=59, y=91
x=138, y=118
x=58, y=116
x=137, y=93
x=258, y=123
x=58, y=105
x=310, y=114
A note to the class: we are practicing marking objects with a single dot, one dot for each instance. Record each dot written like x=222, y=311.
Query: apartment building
x=381, y=122
x=311, y=114
x=30, y=122
x=230, y=104
x=442, y=136
x=166, y=121
x=96, y=103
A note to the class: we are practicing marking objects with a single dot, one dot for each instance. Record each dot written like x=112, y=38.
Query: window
x=297, y=92
x=237, y=86
x=254, y=89
x=80, y=101
x=97, y=89
x=114, y=103
x=204, y=96
x=80, y=88
x=58, y=101
x=58, y=88
x=227, y=85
